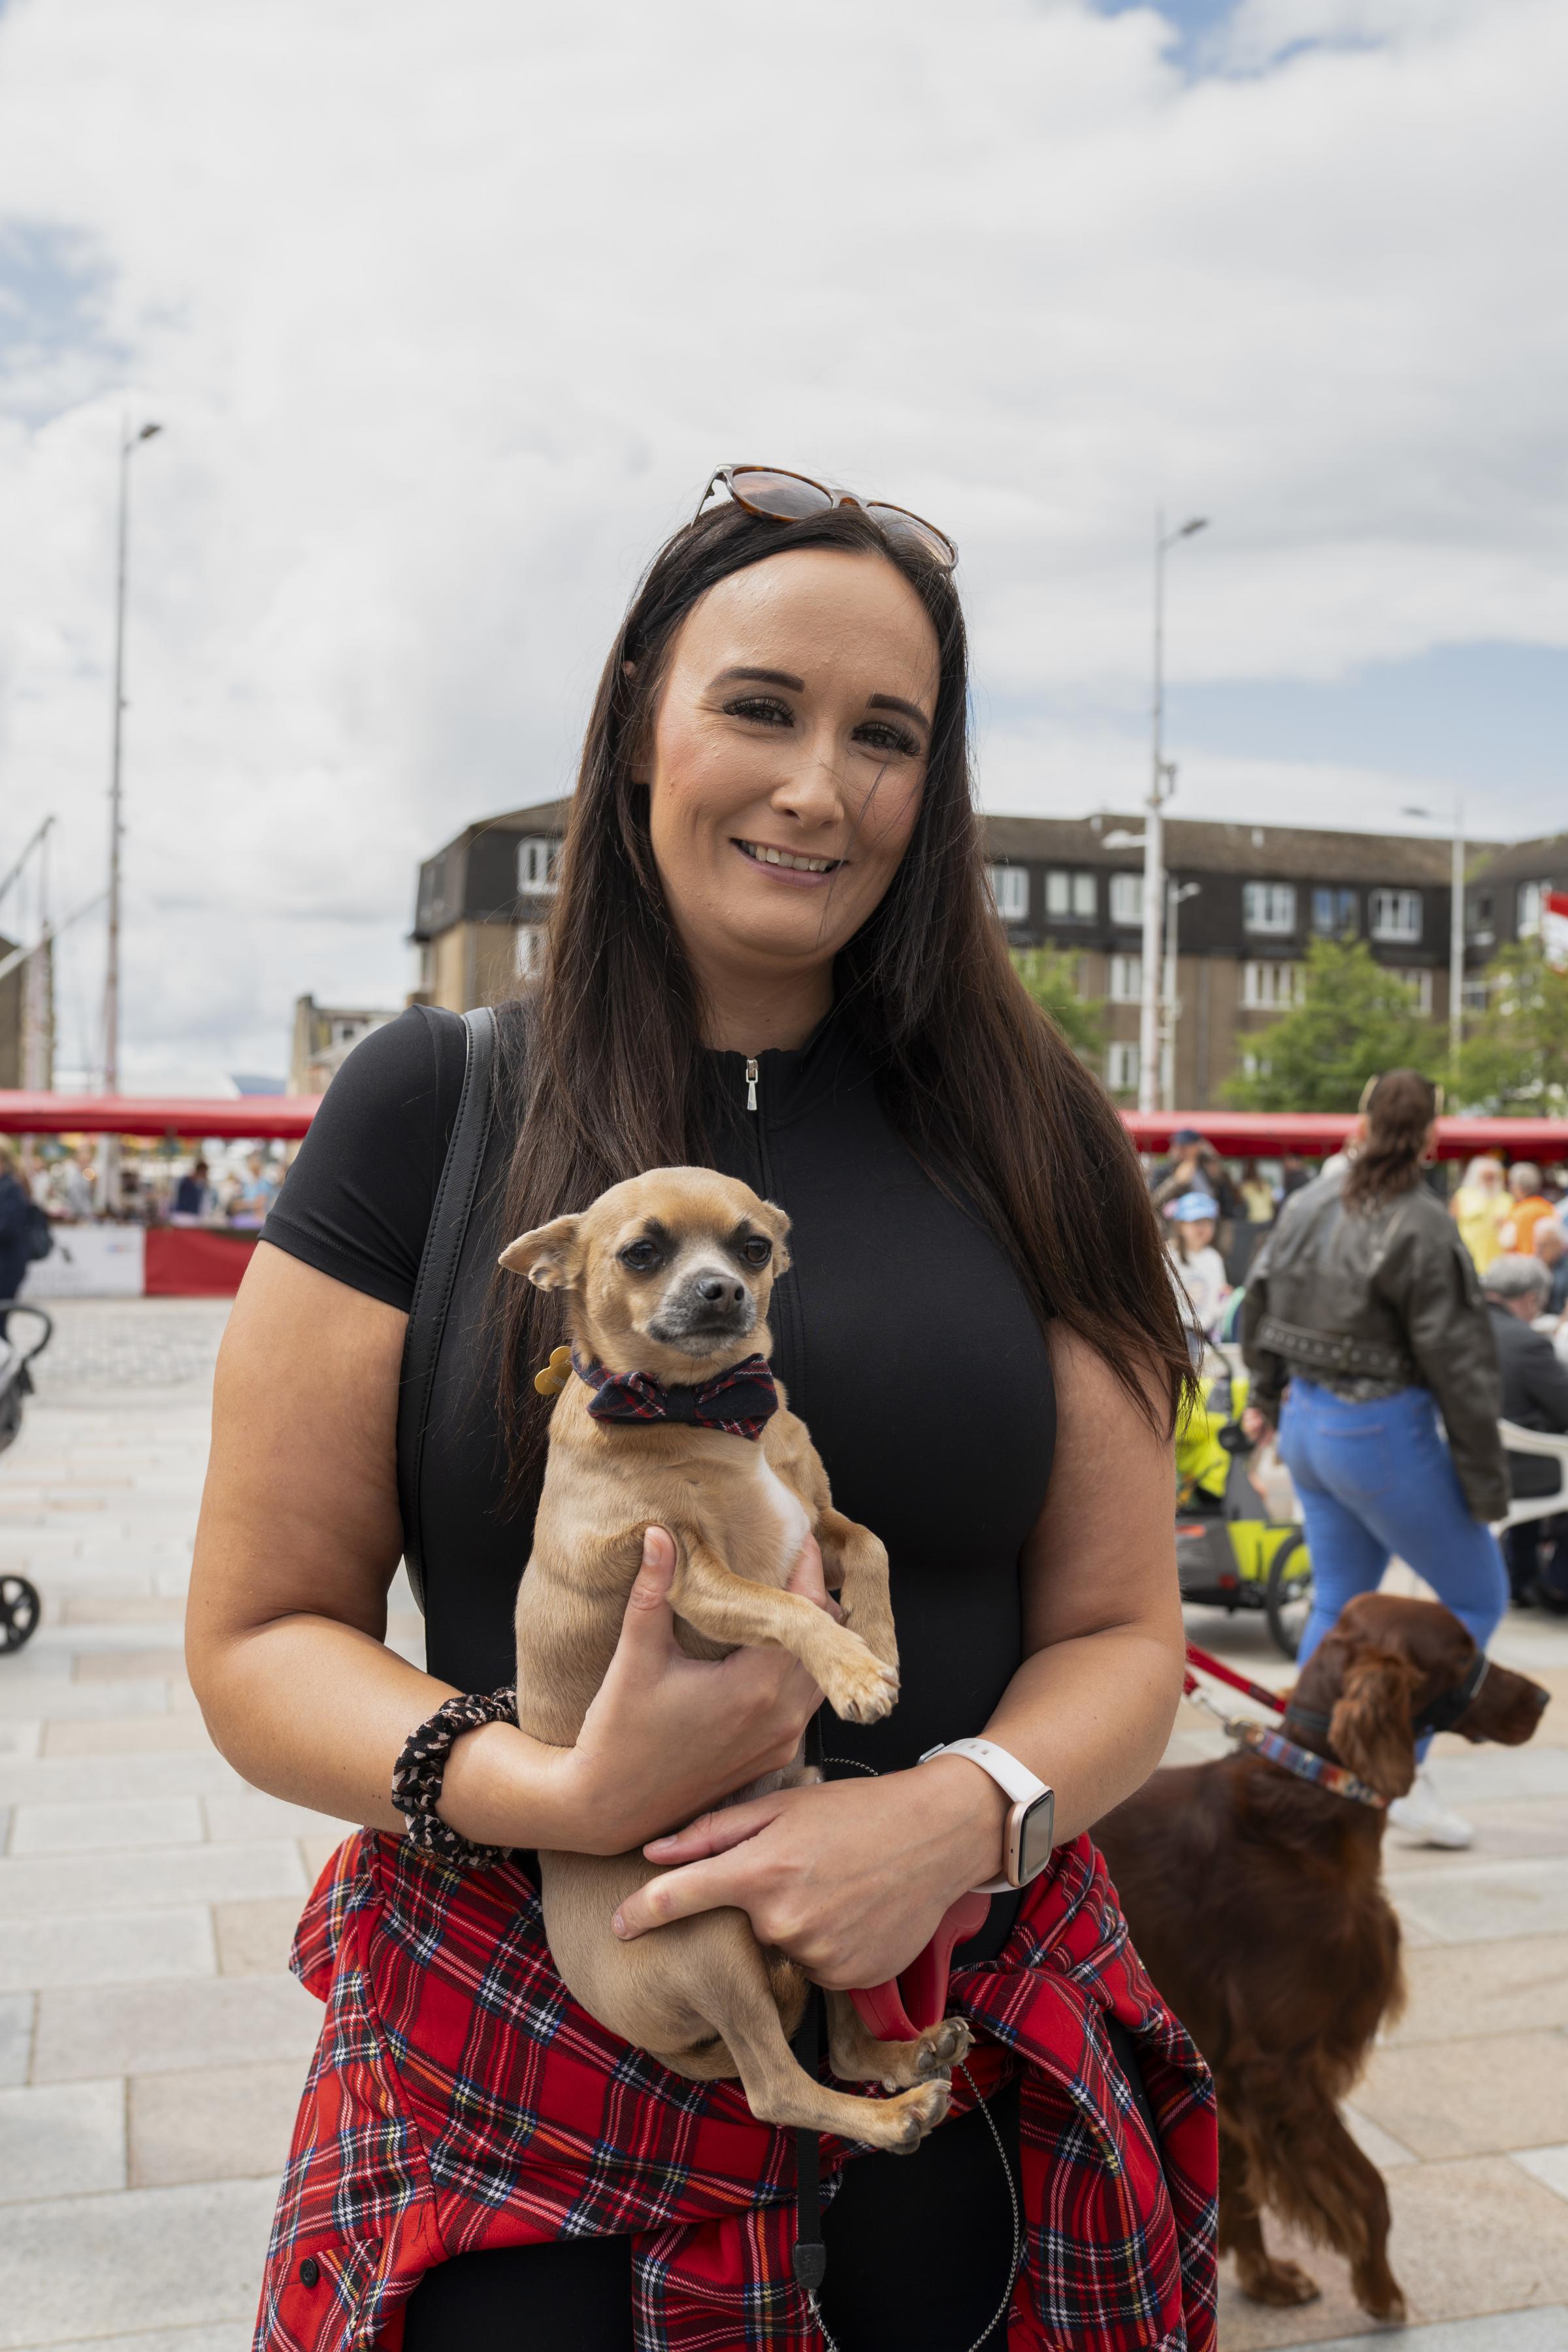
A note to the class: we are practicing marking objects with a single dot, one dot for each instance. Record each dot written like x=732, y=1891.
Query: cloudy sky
x=446, y=314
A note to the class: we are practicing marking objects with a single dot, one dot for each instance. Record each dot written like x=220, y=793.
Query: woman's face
x=788, y=760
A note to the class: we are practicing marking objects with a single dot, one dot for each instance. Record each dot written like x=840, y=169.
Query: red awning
x=282, y=1116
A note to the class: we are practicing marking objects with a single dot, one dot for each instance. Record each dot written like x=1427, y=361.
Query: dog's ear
x=1369, y=1729
x=550, y=1256
x=777, y=1223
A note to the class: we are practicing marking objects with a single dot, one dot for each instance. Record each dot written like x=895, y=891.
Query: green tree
x=1515, y=1061
x=1356, y=1018
x=1050, y=976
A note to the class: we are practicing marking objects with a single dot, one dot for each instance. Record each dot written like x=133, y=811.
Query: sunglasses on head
x=783, y=496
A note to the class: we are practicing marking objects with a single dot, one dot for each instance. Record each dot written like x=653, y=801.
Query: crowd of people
x=1388, y=1331
x=66, y=1185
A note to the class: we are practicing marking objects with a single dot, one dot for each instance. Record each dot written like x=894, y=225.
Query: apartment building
x=1248, y=900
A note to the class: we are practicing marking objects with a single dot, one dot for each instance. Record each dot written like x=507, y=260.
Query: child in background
x=1201, y=1284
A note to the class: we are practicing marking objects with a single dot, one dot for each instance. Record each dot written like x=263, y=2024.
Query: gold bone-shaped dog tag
x=552, y=1378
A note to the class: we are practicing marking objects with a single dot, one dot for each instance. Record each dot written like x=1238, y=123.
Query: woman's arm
x=300, y=1538
x=852, y=1877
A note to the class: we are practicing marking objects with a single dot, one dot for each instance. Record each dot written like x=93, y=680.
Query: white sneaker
x=1424, y=1821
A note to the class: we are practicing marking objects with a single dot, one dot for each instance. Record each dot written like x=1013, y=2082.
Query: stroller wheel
x=19, y=1612
x=1288, y=1596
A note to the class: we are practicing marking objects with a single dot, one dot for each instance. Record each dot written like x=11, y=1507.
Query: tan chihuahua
x=672, y=1418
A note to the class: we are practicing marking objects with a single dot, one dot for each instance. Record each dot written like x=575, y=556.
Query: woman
x=772, y=950
x=1363, y=1311
x=1481, y=1207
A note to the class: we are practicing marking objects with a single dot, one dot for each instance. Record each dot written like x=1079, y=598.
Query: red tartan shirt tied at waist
x=461, y=2099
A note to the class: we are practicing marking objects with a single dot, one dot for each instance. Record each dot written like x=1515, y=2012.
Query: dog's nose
x=717, y=1290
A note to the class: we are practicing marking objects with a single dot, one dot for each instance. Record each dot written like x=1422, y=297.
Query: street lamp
x=108, y=1157
x=1456, y=927
x=1176, y=897
x=1161, y=782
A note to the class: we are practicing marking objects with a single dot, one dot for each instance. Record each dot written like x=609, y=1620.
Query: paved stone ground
x=152, y=2045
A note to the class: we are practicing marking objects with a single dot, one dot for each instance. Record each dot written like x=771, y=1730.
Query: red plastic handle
x=909, y=2005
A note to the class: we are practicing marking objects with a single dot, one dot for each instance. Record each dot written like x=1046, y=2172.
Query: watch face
x=1034, y=1836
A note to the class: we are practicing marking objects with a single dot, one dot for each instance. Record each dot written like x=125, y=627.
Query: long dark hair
x=1399, y=1109
x=603, y=1058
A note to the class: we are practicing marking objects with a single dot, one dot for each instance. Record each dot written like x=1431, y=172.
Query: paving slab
x=234, y=2337
x=1505, y=2091
x=127, y=1665
x=248, y=1813
x=61, y=2139
x=1523, y=1829
x=169, y=2027
x=106, y=1825
x=78, y=1702
x=95, y=1607
x=1465, y=1989
x=19, y=1740
x=1483, y=1775
x=1476, y=2236
x=1504, y=2331
x=82, y=1780
x=168, y=1877
x=216, y=2123
x=103, y=1947
x=15, y=2036
x=124, y=1735
x=161, y=2258
x=1550, y=2167
x=255, y=1938
x=1487, y=1902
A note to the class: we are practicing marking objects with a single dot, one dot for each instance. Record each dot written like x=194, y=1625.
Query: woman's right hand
x=667, y=1736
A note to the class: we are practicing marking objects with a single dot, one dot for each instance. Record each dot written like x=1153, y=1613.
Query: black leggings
x=918, y=2254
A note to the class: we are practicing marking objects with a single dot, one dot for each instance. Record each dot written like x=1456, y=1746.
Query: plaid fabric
x=1259, y=1737
x=460, y=2098
x=738, y=1401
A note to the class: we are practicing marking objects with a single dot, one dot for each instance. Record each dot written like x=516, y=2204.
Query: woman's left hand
x=849, y=1877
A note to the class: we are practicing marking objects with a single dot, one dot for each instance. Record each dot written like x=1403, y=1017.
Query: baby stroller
x=19, y=1603
x=1230, y=1554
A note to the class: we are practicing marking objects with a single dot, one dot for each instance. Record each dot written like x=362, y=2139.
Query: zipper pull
x=750, y=1082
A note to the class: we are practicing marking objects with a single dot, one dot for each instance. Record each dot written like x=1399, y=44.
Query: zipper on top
x=750, y=1082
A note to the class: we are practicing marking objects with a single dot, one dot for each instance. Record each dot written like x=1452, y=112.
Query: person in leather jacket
x=1363, y=1315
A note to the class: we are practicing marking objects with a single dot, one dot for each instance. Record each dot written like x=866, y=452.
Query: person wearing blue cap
x=1201, y=1287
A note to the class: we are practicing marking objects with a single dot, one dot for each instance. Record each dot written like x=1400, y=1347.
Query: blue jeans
x=1376, y=1479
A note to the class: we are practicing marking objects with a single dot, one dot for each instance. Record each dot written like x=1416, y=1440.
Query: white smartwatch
x=1031, y=1820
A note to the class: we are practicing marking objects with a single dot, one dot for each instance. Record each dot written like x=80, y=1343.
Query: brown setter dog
x=1256, y=1902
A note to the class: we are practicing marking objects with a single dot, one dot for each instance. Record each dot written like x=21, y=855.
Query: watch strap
x=1014, y=1778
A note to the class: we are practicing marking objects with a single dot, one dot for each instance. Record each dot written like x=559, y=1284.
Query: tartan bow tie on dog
x=736, y=1402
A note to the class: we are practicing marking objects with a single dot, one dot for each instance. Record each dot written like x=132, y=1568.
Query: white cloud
x=447, y=312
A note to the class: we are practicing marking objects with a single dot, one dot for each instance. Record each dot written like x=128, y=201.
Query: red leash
x=1202, y=1660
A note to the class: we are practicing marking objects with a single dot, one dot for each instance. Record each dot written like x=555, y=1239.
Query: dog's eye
x=757, y=1250
x=639, y=1257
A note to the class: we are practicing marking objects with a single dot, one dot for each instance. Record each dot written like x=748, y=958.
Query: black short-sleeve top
x=901, y=1332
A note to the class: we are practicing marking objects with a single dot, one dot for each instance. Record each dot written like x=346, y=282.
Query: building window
x=1475, y=996
x=345, y=1032
x=1333, y=914
x=1121, y=1069
x=538, y=861
x=1069, y=898
x=1268, y=906
x=1127, y=899
x=1271, y=987
x=1419, y=983
x=1480, y=917
x=1395, y=914
x=1010, y=889
x=1531, y=900
x=530, y=950
x=1126, y=980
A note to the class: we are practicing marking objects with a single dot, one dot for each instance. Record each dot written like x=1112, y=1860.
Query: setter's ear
x=1369, y=1729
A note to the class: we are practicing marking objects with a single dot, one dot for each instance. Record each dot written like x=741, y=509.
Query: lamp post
x=1176, y=897
x=1161, y=779
x=108, y=1159
x=1456, y=927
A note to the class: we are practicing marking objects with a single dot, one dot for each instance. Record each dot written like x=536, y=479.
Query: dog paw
x=919, y=2112
x=1382, y=2301
x=935, y=2055
x=1281, y=2283
x=860, y=1688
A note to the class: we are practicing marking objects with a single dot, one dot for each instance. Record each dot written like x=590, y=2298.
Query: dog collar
x=739, y=1401
x=1276, y=1750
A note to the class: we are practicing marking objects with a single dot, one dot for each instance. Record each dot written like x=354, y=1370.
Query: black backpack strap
x=437, y=1276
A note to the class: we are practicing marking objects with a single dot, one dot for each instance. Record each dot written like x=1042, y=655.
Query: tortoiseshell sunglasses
x=783, y=496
